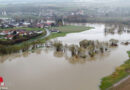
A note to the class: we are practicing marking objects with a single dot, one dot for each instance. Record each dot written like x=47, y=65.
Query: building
x=10, y=37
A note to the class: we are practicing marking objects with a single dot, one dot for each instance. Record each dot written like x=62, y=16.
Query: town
x=31, y=23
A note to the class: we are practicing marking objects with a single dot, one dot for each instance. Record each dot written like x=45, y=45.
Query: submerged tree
x=58, y=46
x=91, y=51
x=82, y=52
x=74, y=50
x=114, y=42
x=84, y=43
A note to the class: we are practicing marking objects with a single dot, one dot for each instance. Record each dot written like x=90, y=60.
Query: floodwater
x=41, y=70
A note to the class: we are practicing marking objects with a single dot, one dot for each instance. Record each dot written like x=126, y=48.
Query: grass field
x=71, y=28
x=67, y=29
x=120, y=73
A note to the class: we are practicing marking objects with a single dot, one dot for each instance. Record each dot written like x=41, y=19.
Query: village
x=13, y=34
x=12, y=29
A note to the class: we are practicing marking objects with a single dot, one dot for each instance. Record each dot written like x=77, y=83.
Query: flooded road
x=41, y=70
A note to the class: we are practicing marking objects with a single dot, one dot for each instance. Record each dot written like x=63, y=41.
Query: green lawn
x=72, y=28
x=67, y=29
x=120, y=73
x=54, y=35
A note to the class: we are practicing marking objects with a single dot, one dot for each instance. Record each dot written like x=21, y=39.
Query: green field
x=120, y=73
x=71, y=28
x=67, y=29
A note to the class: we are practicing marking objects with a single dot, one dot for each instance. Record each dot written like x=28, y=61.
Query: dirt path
x=122, y=85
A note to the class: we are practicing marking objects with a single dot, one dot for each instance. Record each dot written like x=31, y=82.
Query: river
x=41, y=70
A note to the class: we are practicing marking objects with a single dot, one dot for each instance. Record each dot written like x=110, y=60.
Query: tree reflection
x=111, y=29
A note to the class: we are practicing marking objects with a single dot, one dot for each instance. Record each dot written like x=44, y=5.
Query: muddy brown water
x=41, y=70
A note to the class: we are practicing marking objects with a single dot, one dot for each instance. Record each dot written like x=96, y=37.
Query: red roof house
x=9, y=37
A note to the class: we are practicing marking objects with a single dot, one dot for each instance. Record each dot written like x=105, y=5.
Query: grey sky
x=56, y=0
x=29, y=1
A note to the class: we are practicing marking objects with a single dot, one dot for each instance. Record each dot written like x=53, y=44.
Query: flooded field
x=43, y=70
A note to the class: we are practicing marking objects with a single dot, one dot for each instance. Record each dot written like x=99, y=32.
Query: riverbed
x=41, y=70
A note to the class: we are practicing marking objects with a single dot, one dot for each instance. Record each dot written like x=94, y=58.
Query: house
x=5, y=32
x=23, y=33
x=30, y=33
x=10, y=37
x=50, y=22
x=40, y=25
x=55, y=31
x=26, y=24
x=39, y=32
x=14, y=24
x=4, y=26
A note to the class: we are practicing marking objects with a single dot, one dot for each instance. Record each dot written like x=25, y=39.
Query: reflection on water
x=11, y=57
x=45, y=69
x=66, y=55
x=116, y=29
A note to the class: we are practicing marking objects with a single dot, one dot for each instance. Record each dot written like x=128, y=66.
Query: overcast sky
x=58, y=0
x=28, y=1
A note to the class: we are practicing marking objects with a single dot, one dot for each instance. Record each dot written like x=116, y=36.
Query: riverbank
x=120, y=73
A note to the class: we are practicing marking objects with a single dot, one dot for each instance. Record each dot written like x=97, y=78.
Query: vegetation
x=8, y=49
x=67, y=29
x=58, y=46
x=73, y=49
x=54, y=35
x=71, y=28
x=86, y=48
x=114, y=42
x=120, y=73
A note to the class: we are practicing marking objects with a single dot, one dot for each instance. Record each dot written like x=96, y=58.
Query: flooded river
x=41, y=70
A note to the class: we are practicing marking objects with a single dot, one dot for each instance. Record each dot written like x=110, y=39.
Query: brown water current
x=42, y=69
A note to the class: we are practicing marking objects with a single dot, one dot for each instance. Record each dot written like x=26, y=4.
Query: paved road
x=47, y=33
